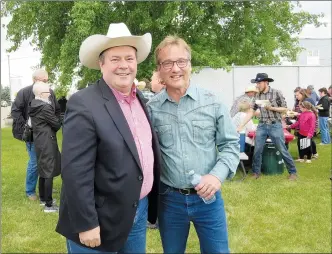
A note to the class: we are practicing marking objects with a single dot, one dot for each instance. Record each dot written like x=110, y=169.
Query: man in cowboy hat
x=269, y=124
x=110, y=153
x=248, y=95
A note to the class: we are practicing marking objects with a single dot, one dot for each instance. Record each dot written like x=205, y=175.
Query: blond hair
x=309, y=106
x=243, y=106
x=171, y=40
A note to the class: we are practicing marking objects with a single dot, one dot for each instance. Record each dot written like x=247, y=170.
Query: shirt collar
x=121, y=96
x=191, y=92
x=267, y=91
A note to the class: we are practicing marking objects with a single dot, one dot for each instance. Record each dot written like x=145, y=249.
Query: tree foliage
x=5, y=94
x=220, y=33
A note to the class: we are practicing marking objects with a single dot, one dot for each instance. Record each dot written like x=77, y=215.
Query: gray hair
x=310, y=87
x=40, y=74
x=40, y=87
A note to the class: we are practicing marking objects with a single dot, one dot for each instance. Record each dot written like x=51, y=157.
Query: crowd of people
x=128, y=156
x=309, y=115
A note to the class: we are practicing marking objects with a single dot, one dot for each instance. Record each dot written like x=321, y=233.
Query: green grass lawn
x=270, y=214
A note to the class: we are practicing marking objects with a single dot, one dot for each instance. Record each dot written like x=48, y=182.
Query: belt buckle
x=268, y=121
x=185, y=193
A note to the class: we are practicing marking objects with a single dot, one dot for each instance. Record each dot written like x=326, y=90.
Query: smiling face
x=174, y=66
x=119, y=67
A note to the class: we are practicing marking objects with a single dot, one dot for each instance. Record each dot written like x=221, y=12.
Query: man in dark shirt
x=19, y=112
x=269, y=124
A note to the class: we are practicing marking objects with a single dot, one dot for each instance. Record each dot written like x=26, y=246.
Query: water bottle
x=195, y=180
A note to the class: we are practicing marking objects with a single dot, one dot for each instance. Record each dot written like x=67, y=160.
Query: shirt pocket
x=203, y=132
x=165, y=135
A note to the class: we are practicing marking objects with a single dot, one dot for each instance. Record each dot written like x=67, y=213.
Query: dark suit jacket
x=101, y=171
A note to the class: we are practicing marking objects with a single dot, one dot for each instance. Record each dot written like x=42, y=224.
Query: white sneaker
x=51, y=209
x=308, y=161
x=315, y=156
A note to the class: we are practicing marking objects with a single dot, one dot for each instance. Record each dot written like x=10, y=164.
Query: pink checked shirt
x=141, y=131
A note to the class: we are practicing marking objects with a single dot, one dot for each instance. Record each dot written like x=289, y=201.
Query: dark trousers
x=303, y=148
x=45, y=190
x=313, y=146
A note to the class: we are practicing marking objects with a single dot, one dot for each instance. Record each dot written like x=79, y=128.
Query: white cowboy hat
x=251, y=89
x=117, y=35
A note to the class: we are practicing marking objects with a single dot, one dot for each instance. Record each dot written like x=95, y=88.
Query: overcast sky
x=25, y=58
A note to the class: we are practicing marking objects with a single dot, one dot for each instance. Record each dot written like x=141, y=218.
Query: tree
x=220, y=33
x=5, y=94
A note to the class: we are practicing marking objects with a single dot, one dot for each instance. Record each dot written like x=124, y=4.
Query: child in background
x=306, y=123
x=244, y=107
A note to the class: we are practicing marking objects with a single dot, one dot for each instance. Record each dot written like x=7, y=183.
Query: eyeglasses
x=181, y=63
x=44, y=92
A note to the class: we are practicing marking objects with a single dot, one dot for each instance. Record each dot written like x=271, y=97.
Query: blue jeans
x=276, y=134
x=177, y=210
x=136, y=242
x=32, y=171
x=324, y=130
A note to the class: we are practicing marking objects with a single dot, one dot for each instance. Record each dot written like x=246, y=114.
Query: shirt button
x=140, y=178
x=135, y=204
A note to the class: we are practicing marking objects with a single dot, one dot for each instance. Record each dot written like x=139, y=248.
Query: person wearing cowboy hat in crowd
x=269, y=124
x=248, y=95
x=196, y=134
x=110, y=153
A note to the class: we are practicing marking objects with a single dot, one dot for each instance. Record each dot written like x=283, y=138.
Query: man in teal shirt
x=195, y=133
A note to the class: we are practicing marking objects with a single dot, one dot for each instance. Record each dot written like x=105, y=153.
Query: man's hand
x=208, y=186
x=269, y=107
x=90, y=238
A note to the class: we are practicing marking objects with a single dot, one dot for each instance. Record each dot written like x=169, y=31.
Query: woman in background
x=45, y=124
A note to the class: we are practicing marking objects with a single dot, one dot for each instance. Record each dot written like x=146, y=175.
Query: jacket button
x=140, y=178
x=135, y=204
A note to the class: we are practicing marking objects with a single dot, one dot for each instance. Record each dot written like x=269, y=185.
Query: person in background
x=330, y=98
x=323, y=115
x=62, y=102
x=312, y=93
x=244, y=108
x=296, y=101
x=147, y=92
x=330, y=92
x=141, y=85
x=269, y=125
x=45, y=124
x=306, y=123
x=302, y=96
x=195, y=133
x=19, y=112
x=249, y=94
x=156, y=83
x=154, y=87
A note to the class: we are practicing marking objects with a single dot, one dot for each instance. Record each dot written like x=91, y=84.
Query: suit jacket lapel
x=119, y=119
